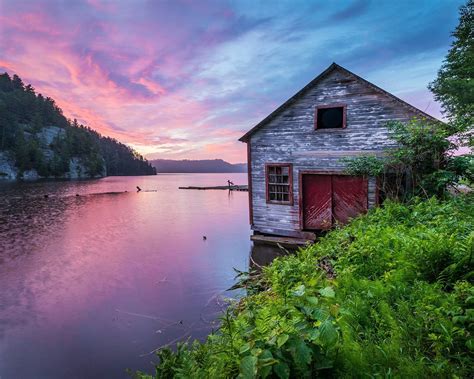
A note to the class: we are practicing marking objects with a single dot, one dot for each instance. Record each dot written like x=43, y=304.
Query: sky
x=184, y=79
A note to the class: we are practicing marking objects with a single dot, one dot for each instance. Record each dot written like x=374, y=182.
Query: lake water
x=91, y=284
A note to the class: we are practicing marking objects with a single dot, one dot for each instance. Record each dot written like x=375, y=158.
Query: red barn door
x=327, y=199
x=317, y=207
x=349, y=197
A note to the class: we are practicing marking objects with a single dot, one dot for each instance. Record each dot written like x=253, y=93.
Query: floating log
x=105, y=193
x=231, y=188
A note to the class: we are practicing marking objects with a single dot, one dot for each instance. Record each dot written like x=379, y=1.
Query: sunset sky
x=185, y=79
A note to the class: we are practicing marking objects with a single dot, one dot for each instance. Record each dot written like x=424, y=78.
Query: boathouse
x=297, y=183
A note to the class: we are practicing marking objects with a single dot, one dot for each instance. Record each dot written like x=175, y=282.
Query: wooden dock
x=283, y=241
x=231, y=188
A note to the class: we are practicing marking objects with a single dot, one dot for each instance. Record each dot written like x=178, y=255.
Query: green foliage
x=422, y=164
x=365, y=165
x=402, y=304
x=454, y=86
x=23, y=116
x=423, y=154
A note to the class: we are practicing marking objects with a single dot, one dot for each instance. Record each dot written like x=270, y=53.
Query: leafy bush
x=365, y=165
x=401, y=305
x=422, y=164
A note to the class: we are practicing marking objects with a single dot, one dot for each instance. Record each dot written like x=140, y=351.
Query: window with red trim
x=279, y=183
x=330, y=117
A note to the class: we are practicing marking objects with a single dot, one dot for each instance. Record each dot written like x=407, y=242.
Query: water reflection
x=90, y=285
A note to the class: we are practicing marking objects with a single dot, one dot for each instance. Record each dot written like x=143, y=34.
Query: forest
x=25, y=116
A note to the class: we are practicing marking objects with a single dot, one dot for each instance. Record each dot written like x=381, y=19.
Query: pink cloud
x=180, y=79
x=125, y=81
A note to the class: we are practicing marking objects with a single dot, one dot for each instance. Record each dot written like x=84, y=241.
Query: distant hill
x=196, y=166
x=38, y=141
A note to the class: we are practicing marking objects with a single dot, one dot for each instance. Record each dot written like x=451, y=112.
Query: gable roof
x=334, y=66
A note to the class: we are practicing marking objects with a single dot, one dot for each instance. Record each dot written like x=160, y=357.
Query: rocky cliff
x=45, y=141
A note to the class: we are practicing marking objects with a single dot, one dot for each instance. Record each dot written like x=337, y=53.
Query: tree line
x=25, y=113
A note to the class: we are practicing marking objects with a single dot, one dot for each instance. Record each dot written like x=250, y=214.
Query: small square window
x=279, y=183
x=330, y=117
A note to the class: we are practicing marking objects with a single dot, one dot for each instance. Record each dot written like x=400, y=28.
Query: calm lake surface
x=91, y=284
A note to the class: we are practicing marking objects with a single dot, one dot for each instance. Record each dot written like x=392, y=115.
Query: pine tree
x=454, y=86
x=17, y=83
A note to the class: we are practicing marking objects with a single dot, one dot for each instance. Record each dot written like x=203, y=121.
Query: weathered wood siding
x=290, y=138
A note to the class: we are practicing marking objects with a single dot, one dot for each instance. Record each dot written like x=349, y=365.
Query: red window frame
x=268, y=167
x=344, y=115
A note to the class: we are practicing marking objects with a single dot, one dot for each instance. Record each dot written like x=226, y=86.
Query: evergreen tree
x=17, y=83
x=454, y=86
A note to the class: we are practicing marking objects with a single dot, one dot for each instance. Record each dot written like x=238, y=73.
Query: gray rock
x=30, y=175
x=47, y=135
x=76, y=169
x=8, y=171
